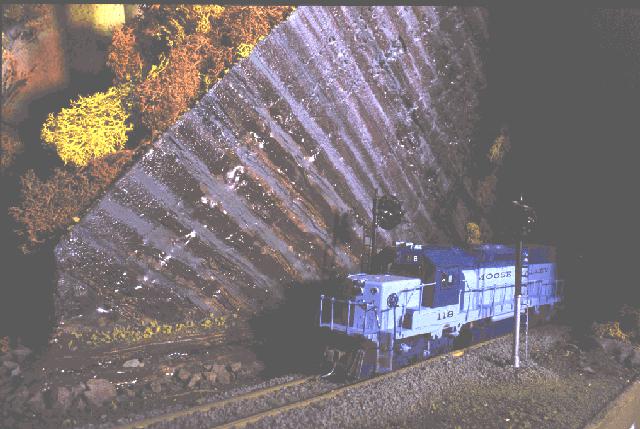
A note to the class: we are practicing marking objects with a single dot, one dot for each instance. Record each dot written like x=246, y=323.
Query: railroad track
x=217, y=405
x=272, y=401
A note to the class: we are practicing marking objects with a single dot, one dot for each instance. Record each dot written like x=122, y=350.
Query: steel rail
x=213, y=405
x=332, y=393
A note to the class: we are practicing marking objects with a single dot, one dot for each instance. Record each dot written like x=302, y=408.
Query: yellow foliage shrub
x=244, y=50
x=152, y=330
x=91, y=128
x=610, y=330
x=173, y=23
x=203, y=13
x=499, y=149
x=473, y=233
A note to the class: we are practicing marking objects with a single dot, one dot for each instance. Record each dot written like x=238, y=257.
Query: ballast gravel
x=478, y=390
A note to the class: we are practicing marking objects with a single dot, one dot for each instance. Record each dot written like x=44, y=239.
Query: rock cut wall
x=264, y=183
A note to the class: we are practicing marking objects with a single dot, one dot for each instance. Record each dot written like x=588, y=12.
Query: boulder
x=133, y=363
x=77, y=390
x=21, y=353
x=18, y=398
x=210, y=376
x=194, y=381
x=222, y=375
x=15, y=372
x=61, y=398
x=156, y=386
x=81, y=403
x=9, y=364
x=36, y=402
x=235, y=367
x=99, y=391
x=183, y=374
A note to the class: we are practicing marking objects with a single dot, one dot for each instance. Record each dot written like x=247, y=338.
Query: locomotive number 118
x=444, y=315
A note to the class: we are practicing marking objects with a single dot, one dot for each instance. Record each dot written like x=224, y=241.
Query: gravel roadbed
x=204, y=399
x=560, y=386
x=479, y=390
x=243, y=408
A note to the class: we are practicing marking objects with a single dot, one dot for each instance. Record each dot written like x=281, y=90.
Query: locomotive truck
x=431, y=296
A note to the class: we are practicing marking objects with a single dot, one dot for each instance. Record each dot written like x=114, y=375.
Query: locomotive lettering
x=489, y=276
x=539, y=270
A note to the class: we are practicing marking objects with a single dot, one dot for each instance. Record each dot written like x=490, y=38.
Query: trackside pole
x=516, y=334
x=516, y=306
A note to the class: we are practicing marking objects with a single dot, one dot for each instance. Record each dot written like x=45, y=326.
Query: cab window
x=446, y=279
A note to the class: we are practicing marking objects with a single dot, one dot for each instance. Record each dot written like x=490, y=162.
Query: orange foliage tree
x=124, y=58
x=10, y=148
x=48, y=206
x=182, y=50
x=248, y=24
x=169, y=90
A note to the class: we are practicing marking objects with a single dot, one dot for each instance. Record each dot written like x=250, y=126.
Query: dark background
x=567, y=81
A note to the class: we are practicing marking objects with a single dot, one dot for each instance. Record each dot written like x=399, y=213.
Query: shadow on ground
x=289, y=339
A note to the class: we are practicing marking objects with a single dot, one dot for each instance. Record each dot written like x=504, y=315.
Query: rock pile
x=46, y=400
x=202, y=377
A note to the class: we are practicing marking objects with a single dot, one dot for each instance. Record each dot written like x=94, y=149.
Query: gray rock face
x=99, y=391
x=267, y=181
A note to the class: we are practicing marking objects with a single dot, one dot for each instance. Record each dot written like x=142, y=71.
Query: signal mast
x=386, y=213
x=526, y=218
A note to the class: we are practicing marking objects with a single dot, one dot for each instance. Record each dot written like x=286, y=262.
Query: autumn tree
x=487, y=186
x=176, y=52
x=124, y=59
x=473, y=233
x=47, y=206
x=170, y=88
x=499, y=148
x=11, y=147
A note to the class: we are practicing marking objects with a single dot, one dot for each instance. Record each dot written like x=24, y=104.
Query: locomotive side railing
x=532, y=290
x=347, y=327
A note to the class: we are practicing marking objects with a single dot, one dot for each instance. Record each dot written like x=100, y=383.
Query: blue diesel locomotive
x=430, y=296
